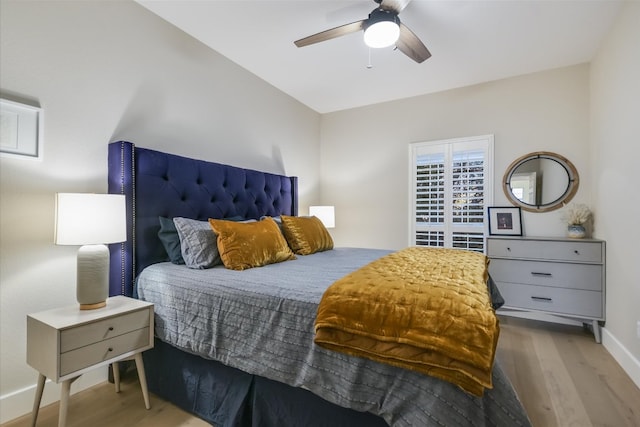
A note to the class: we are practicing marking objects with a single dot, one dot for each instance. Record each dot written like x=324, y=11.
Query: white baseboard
x=622, y=355
x=20, y=402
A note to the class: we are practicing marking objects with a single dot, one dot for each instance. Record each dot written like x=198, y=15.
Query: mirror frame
x=567, y=195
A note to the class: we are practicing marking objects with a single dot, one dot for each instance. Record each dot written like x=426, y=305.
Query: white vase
x=576, y=231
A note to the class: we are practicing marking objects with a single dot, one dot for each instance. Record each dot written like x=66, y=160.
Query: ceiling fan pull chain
x=369, y=66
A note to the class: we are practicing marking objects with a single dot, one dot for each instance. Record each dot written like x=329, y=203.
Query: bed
x=257, y=365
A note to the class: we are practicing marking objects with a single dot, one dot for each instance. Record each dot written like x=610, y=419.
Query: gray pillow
x=198, y=243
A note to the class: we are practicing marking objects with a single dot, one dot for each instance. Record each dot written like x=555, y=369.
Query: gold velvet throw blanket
x=425, y=309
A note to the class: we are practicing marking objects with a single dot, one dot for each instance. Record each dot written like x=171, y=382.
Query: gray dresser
x=563, y=277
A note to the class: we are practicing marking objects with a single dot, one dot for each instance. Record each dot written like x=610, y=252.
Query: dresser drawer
x=94, y=332
x=554, y=300
x=576, y=251
x=556, y=274
x=93, y=354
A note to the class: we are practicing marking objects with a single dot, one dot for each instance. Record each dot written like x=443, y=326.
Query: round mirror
x=540, y=181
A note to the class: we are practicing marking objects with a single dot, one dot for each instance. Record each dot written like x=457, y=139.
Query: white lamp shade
x=381, y=34
x=86, y=219
x=326, y=214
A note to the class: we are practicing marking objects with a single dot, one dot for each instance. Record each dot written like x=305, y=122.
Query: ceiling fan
x=381, y=29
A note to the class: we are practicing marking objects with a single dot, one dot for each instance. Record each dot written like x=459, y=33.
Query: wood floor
x=561, y=375
x=564, y=378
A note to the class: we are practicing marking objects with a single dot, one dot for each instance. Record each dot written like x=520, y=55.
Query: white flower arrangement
x=576, y=214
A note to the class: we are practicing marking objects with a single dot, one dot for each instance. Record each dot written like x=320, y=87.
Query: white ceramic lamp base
x=92, y=287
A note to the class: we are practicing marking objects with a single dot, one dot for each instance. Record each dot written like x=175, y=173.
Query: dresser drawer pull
x=111, y=328
x=577, y=252
x=543, y=299
x=535, y=273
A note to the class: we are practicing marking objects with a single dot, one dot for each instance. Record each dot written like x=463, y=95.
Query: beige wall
x=615, y=148
x=104, y=71
x=365, y=166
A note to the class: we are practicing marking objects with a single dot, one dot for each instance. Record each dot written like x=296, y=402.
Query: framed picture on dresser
x=505, y=221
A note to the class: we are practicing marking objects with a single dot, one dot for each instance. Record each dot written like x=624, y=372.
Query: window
x=451, y=186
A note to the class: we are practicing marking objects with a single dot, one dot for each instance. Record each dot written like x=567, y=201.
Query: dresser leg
x=37, y=400
x=597, y=333
x=143, y=379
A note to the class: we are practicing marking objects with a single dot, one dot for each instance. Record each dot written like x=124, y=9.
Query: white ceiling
x=471, y=42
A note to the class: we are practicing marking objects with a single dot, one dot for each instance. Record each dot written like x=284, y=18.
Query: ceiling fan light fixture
x=382, y=29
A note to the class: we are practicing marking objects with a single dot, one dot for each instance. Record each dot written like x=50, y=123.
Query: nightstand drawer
x=94, y=332
x=555, y=274
x=93, y=354
x=554, y=300
x=576, y=251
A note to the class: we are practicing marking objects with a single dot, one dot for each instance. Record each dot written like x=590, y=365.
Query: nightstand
x=64, y=343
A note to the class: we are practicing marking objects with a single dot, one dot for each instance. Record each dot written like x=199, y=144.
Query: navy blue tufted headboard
x=160, y=184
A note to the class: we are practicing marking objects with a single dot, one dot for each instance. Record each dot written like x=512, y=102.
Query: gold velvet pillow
x=251, y=244
x=306, y=235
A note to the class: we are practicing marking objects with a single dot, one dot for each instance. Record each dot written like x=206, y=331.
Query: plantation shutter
x=451, y=186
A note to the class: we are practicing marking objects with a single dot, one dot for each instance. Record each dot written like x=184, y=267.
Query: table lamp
x=92, y=221
x=326, y=214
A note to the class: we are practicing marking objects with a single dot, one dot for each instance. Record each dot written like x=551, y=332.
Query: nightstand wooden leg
x=143, y=379
x=64, y=401
x=116, y=375
x=38, y=399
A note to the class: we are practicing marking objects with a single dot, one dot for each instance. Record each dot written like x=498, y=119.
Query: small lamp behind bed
x=91, y=220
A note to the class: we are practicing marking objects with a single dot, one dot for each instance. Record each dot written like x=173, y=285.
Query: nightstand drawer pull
x=541, y=299
x=536, y=273
x=111, y=328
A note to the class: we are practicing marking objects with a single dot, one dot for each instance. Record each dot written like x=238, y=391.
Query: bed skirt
x=228, y=397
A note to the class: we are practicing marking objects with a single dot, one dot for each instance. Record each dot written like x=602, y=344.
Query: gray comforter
x=262, y=322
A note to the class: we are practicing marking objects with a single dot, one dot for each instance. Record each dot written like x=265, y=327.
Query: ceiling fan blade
x=394, y=5
x=342, y=30
x=410, y=45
